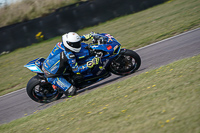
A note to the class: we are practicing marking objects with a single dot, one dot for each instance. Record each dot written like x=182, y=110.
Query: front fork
x=122, y=51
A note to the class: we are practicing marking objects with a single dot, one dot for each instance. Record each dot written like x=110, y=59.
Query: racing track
x=17, y=104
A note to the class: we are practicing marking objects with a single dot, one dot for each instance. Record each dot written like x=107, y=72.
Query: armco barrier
x=69, y=18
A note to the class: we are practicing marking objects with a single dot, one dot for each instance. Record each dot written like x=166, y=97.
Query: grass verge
x=161, y=100
x=30, y=9
x=133, y=31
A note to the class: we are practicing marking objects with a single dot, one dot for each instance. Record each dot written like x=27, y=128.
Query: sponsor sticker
x=115, y=47
x=71, y=56
x=109, y=47
x=59, y=45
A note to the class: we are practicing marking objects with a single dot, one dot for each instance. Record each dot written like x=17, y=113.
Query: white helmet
x=72, y=41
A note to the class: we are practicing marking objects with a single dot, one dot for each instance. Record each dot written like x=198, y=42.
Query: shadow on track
x=102, y=83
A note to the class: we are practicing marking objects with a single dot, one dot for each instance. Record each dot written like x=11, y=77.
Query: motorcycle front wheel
x=42, y=92
x=125, y=63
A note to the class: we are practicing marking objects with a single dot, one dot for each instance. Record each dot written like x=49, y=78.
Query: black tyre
x=42, y=92
x=126, y=63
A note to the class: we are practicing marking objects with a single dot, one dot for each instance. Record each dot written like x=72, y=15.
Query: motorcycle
x=113, y=60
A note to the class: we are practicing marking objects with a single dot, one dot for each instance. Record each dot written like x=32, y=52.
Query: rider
x=62, y=58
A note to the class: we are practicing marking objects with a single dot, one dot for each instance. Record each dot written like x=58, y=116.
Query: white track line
x=135, y=50
x=13, y=92
x=167, y=39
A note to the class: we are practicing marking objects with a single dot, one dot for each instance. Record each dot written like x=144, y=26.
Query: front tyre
x=125, y=63
x=41, y=92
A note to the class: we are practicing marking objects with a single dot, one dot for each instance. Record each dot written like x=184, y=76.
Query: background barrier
x=69, y=18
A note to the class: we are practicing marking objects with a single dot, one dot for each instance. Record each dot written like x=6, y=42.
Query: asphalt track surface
x=17, y=104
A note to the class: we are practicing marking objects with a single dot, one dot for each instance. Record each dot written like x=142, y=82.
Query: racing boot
x=71, y=91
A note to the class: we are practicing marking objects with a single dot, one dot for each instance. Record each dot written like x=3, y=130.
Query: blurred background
x=22, y=22
x=7, y=2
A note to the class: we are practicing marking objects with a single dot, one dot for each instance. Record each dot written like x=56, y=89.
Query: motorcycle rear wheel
x=126, y=63
x=42, y=92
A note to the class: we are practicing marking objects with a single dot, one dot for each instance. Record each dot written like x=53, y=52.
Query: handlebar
x=99, y=39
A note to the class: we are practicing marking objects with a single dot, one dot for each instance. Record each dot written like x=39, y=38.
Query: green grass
x=132, y=31
x=30, y=9
x=161, y=100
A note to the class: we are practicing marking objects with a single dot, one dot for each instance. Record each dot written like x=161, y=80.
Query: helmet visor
x=74, y=44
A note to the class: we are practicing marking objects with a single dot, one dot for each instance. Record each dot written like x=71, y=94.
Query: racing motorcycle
x=113, y=59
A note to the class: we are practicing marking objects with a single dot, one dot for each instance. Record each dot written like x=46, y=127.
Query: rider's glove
x=92, y=33
x=93, y=62
x=88, y=36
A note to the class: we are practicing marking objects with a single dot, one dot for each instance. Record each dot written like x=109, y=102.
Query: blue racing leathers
x=60, y=60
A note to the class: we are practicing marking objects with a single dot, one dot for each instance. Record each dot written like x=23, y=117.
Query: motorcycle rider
x=62, y=58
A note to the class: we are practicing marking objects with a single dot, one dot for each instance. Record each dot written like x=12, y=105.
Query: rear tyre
x=42, y=92
x=126, y=63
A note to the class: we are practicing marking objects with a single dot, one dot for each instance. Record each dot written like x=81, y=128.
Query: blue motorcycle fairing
x=35, y=65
